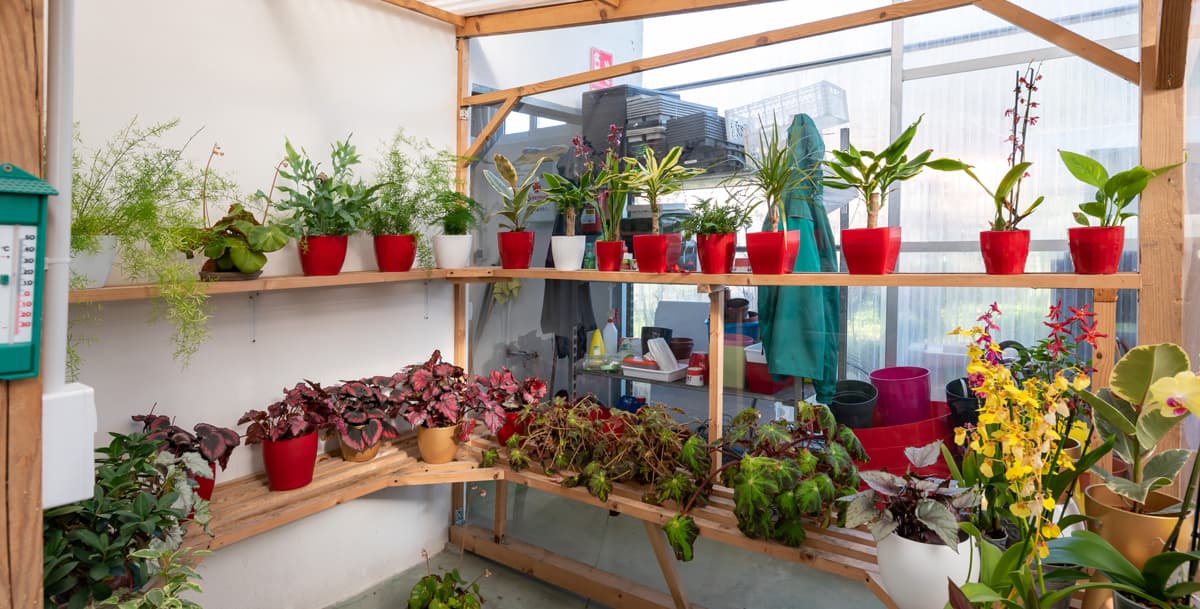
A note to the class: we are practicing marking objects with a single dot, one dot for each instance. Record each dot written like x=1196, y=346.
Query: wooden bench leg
x=666, y=562
x=501, y=511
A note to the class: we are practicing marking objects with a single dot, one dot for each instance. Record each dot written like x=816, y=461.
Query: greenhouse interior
x=668, y=304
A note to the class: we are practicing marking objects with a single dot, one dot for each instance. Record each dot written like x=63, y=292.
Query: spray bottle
x=611, y=336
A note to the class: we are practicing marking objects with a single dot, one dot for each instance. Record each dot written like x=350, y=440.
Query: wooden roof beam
x=1041, y=27
x=872, y=16
x=1172, y=44
x=432, y=12
x=585, y=12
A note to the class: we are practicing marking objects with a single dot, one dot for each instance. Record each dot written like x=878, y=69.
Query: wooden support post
x=490, y=129
x=500, y=527
x=1172, y=43
x=666, y=562
x=1105, y=304
x=716, y=368
x=462, y=115
x=458, y=490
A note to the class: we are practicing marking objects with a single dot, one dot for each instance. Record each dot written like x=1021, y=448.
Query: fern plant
x=324, y=204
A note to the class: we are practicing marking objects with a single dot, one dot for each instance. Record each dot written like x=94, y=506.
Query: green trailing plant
x=652, y=178
x=411, y=173
x=710, y=218
x=772, y=174
x=874, y=174
x=784, y=475
x=323, y=204
x=514, y=192
x=445, y=591
x=142, y=500
x=1114, y=194
x=176, y=576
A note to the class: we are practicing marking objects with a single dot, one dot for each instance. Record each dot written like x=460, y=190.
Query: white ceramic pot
x=452, y=251
x=914, y=574
x=568, y=252
x=94, y=268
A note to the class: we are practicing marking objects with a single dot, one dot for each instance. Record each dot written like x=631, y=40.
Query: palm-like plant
x=652, y=178
x=773, y=173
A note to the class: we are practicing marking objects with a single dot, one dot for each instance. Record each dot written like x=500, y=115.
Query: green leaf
x=503, y=189
x=791, y=533
x=862, y=509
x=838, y=458
x=694, y=455
x=808, y=498
x=1117, y=413
x=1152, y=426
x=1159, y=568
x=1128, y=489
x=678, y=488
x=599, y=485
x=947, y=165
x=940, y=520
x=681, y=533
x=245, y=260
x=489, y=458
x=266, y=238
x=1141, y=366
x=1088, y=550
x=423, y=592
x=1084, y=168
x=1162, y=468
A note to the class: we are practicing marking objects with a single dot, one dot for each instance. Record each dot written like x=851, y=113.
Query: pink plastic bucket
x=903, y=394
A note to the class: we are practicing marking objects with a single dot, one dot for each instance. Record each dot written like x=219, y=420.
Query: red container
x=323, y=254
x=290, y=463
x=716, y=252
x=395, y=253
x=1004, y=251
x=1096, y=250
x=759, y=380
x=609, y=255
x=204, y=486
x=516, y=249
x=510, y=427
x=871, y=251
x=769, y=254
x=885, y=445
x=650, y=251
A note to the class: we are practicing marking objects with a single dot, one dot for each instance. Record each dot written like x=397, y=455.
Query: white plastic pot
x=94, y=268
x=452, y=251
x=914, y=573
x=568, y=252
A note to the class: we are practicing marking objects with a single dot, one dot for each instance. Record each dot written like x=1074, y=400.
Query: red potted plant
x=613, y=181
x=363, y=416
x=518, y=399
x=1096, y=249
x=326, y=208
x=213, y=444
x=411, y=174
x=773, y=173
x=873, y=250
x=438, y=397
x=516, y=243
x=716, y=227
x=652, y=178
x=288, y=432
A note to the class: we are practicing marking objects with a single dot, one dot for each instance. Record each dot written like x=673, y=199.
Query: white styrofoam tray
x=655, y=375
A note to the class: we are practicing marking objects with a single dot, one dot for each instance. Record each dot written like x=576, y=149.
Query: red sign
x=601, y=59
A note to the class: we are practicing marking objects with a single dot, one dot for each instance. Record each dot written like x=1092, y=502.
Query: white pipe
x=60, y=125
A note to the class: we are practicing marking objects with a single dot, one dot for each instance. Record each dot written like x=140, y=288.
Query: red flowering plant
x=440, y=394
x=304, y=409
x=214, y=444
x=364, y=410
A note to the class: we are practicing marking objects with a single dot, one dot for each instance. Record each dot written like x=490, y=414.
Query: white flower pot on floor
x=452, y=251
x=568, y=252
x=94, y=268
x=914, y=574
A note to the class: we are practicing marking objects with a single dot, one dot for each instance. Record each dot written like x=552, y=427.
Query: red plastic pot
x=885, y=445
x=1096, y=250
x=1004, y=251
x=770, y=254
x=609, y=255
x=871, y=251
x=395, y=253
x=511, y=427
x=516, y=249
x=716, y=252
x=290, y=463
x=323, y=255
x=204, y=486
x=650, y=251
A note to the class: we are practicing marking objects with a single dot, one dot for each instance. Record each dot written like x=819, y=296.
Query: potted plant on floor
x=363, y=415
x=457, y=214
x=214, y=444
x=716, y=227
x=914, y=520
x=515, y=241
x=411, y=174
x=288, y=430
x=772, y=175
x=873, y=250
x=518, y=399
x=326, y=208
x=1152, y=388
x=174, y=575
x=1096, y=249
x=613, y=181
x=652, y=178
x=438, y=399
x=444, y=591
x=570, y=197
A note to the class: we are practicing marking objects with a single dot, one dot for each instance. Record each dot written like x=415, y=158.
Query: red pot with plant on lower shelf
x=516, y=249
x=395, y=253
x=213, y=444
x=322, y=254
x=1004, y=251
x=609, y=255
x=288, y=432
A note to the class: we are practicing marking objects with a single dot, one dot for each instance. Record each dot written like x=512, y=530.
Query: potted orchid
x=288, y=430
x=363, y=416
x=613, y=180
x=516, y=243
x=438, y=398
x=652, y=178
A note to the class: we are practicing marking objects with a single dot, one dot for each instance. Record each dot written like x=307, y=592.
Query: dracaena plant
x=924, y=509
x=304, y=409
x=514, y=192
x=512, y=395
x=214, y=444
x=652, y=178
x=321, y=203
x=364, y=410
x=1110, y=206
x=772, y=174
x=437, y=393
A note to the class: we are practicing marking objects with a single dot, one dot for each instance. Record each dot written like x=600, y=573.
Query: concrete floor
x=720, y=576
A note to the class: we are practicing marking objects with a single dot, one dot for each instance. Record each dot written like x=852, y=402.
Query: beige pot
x=1135, y=536
x=437, y=444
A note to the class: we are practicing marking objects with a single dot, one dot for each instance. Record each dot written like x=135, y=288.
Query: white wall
x=251, y=72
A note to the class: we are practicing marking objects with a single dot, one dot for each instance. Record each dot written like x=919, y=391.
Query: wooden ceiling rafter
x=1172, y=43
x=430, y=11
x=586, y=12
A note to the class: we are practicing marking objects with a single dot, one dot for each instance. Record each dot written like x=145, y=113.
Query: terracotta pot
x=770, y=254
x=609, y=255
x=516, y=249
x=716, y=252
x=871, y=251
x=323, y=254
x=1096, y=250
x=1136, y=536
x=290, y=463
x=914, y=573
x=395, y=253
x=1004, y=251
x=358, y=456
x=437, y=444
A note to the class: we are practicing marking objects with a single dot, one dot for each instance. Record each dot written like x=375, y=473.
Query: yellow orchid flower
x=1177, y=395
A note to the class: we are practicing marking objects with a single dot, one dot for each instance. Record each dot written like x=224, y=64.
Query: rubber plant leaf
x=1152, y=425
x=1118, y=413
x=1141, y=366
x=681, y=533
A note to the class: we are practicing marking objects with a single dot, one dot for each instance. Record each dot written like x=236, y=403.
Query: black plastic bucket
x=964, y=406
x=853, y=403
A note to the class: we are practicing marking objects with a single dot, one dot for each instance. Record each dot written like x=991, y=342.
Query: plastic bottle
x=611, y=336
x=596, y=346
